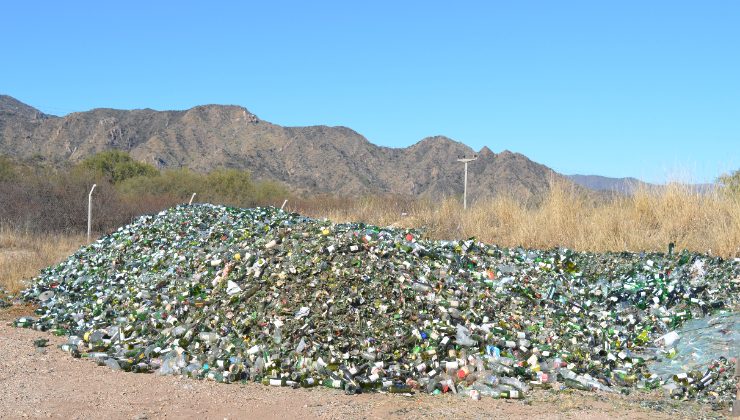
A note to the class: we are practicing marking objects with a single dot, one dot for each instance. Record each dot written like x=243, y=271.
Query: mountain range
x=314, y=159
x=603, y=183
x=627, y=185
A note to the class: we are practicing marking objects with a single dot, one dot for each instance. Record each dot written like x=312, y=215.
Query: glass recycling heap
x=264, y=295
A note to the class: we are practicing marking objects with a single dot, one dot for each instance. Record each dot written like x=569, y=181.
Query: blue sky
x=634, y=88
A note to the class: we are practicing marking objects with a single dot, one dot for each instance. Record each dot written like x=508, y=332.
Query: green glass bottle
x=512, y=395
x=333, y=383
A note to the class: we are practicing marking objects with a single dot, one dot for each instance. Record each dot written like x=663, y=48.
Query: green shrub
x=229, y=186
x=117, y=166
x=44, y=198
x=270, y=192
x=7, y=169
x=175, y=182
x=222, y=186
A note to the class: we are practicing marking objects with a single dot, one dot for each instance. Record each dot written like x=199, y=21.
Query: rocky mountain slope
x=308, y=159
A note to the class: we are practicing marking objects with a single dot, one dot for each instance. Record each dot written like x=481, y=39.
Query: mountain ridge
x=318, y=158
x=627, y=185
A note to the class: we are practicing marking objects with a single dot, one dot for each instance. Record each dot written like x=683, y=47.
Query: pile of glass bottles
x=263, y=295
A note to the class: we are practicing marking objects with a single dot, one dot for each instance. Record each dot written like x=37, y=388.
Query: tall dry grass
x=24, y=254
x=648, y=220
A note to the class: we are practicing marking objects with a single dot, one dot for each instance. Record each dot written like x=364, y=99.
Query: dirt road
x=53, y=384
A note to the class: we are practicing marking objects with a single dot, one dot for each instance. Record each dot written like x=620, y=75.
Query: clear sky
x=631, y=88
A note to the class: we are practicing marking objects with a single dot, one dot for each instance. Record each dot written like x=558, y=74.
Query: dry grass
x=24, y=254
x=646, y=221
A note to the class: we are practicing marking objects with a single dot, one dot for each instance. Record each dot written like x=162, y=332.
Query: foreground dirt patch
x=52, y=384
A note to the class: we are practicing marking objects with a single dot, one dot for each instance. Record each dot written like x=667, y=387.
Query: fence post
x=191, y=199
x=89, y=212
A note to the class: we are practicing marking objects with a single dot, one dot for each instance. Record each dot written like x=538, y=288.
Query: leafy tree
x=117, y=166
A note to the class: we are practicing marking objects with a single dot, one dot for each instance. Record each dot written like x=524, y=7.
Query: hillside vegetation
x=37, y=198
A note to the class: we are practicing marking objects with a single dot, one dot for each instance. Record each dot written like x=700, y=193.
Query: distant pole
x=89, y=212
x=284, y=203
x=465, y=187
x=191, y=199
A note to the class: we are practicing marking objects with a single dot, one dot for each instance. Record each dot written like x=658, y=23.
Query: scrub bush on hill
x=7, y=171
x=40, y=198
x=116, y=166
x=225, y=186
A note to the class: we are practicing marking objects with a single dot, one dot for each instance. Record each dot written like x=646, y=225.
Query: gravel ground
x=53, y=384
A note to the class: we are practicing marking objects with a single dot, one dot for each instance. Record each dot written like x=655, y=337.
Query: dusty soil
x=53, y=384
